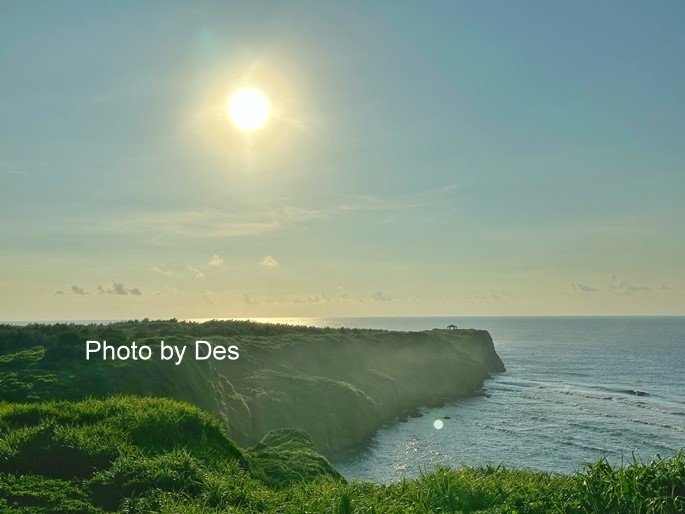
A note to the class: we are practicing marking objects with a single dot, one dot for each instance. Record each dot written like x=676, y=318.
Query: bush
x=134, y=475
x=287, y=456
x=57, y=451
x=40, y=495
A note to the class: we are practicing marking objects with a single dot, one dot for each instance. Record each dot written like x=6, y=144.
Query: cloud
x=623, y=288
x=269, y=262
x=312, y=298
x=250, y=219
x=583, y=288
x=6, y=169
x=379, y=296
x=198, y=274
x=78, y=290
x=620, y=287
x=492, y=297
x=289, y=299
x=354, y=203
x=164, y=272
x=119, y=288
x=261, y=300
x=209, y=223
x=215, y=260
x=209, y=297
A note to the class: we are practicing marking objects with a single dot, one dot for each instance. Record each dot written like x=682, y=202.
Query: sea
x=576, y=389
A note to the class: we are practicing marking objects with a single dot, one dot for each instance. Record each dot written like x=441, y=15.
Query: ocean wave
x=635, y=392
x=659, y=425
x=651, y=404
x=518, y=383
x=547, y=432
x=588, y=395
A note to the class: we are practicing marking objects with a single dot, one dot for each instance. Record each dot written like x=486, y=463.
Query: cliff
x=338, y=386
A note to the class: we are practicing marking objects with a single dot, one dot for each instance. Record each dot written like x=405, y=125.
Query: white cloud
x=119, y=288
x=379, y=296
x=208, y=223
x=621, y=287
x=309, y=298
x=250, y=219
x=6, y=169
x=78, y=290
x=485, y=297
x=371, y=203
x=584, y=288
x=269, y=262
x=250, y=300
x=164, y=272
x=312, y=298
x=198, y=274
x=215, y=260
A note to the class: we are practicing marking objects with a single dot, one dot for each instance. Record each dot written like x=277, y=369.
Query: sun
x=249, y=109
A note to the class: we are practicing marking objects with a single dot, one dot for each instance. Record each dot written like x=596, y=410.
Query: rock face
x=337, y=386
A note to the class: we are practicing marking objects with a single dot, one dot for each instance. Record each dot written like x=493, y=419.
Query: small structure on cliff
x=452, y=327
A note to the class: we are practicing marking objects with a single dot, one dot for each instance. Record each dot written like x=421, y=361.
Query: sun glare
x=249, y=109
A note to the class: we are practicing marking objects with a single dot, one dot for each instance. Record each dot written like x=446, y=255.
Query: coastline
x=337, y=385
x=160, y=455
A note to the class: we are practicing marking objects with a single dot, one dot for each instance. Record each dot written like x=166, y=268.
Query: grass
x=337, y=385
x=141, y=455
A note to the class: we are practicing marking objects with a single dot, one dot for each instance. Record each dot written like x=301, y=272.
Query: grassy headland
x=338, y=386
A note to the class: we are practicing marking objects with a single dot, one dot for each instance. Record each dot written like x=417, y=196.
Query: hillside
x=141, y=455
x=338, y=386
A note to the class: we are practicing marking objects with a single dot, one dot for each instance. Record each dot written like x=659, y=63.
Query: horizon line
x=256, y=318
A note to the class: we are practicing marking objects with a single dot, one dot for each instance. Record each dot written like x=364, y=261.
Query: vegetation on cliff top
x=140, y=455
x=337, y=385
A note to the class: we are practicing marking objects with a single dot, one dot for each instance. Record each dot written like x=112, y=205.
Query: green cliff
x=338, y=386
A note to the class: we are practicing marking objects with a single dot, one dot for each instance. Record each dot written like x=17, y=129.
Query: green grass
x=337, y=385
x=139, y=455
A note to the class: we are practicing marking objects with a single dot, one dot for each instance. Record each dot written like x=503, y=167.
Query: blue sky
x=439, y=158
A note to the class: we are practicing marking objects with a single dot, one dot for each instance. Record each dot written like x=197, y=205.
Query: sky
x=438, y=158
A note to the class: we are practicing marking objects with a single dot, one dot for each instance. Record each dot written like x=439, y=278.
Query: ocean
x=576, y=389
